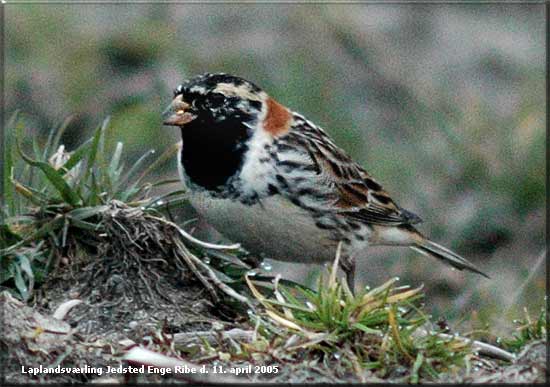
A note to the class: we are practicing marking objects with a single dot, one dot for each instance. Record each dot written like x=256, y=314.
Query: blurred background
x=443, y=104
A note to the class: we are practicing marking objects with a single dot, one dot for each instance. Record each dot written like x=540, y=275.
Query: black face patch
x=213, y=151
x=215, y=141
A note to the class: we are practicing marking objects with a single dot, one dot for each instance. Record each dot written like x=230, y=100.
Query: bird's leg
x=348, y=266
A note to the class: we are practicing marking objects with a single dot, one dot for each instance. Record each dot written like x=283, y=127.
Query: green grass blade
x=366, y=329
x=101, y=145
x=416, y=367
x=87, y=212
x=77, y=156
x=8, y=167
x=167, y=181
x=136, y=167
x=20, y=282
x=29, y=193
x=25, y=266
x=115, y=161
x=94, y=192
x=85, y=225
x=92, y=155
x=115, y=168
x=169, y=153
x=8, y=194
x=36, y=149
x=55, y=177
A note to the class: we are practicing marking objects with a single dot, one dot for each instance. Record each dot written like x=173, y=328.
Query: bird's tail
x=432, y=249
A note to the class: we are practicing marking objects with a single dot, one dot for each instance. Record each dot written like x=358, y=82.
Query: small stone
x=217, y=326
x=126, y=343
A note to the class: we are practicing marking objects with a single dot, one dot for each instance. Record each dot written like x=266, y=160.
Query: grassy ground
x=97, y=263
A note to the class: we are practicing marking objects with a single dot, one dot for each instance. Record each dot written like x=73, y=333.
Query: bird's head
x=216, y=100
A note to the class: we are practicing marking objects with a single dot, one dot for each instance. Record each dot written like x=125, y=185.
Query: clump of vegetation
x=382, y=330
x=528, y=330
x=55, y=202
x=67, y=206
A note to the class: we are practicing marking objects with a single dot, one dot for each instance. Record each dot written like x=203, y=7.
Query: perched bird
x=267, y=177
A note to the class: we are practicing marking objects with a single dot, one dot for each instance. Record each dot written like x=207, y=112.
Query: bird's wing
x=320, y=176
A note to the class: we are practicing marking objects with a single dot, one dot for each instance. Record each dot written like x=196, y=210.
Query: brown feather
x=278, y=119
x=351, y=190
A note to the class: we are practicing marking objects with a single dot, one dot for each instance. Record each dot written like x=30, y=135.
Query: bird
x=267, y=177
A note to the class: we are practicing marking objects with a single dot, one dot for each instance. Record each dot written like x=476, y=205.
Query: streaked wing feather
x=348, y=188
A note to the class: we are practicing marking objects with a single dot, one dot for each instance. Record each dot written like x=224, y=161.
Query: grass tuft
x=527, y=330
x=58, y=199
x=382, y=330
